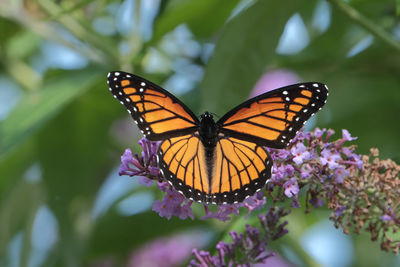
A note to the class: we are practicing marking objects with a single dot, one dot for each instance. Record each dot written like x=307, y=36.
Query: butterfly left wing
x=157, y=113
x=235, y=170
x=273, y=118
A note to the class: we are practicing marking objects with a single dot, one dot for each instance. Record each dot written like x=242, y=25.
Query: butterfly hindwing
x=273, y=118
x=158, y=113
x=235, y=169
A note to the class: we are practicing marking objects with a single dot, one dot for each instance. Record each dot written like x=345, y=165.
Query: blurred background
x=62, y=133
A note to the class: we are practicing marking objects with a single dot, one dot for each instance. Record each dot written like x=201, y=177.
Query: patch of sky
x=327, y=245
x=180, y=42
x=14, y=250
x=127, y=20
x=156, y=62
x=44, y=236
x=294, y=37
x=243, y=4
x=136, y=203
x=396, y=31
x=10, y=94
x=207, y=51
x=361, y=46
x=187, y=74
x=113, y=188
x=322, y=16
x=104, y=25
x=58, y=56
x=33, y=174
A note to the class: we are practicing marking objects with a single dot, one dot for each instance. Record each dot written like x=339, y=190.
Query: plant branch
x=366, y=23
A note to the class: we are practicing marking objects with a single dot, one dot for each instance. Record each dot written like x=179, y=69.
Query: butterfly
x=221, y=162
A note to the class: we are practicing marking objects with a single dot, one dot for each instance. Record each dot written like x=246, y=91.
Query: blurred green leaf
x=16, y=214
x=398, y=7
x=73, y=155
x=203, y=17
x=22, y=45
x=36, y=108
x=131, y=232
x=246, y=46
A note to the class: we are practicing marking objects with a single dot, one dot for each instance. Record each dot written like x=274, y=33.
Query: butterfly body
x=224, y=161
x=208, y=130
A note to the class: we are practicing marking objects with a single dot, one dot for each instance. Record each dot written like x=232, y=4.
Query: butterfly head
x=208, y=129
x=206, y=115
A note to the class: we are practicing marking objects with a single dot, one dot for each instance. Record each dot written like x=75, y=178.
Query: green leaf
x=36, y=108
x=247, y=44
x=17, y=210
x=203, y=17
x=398, y=7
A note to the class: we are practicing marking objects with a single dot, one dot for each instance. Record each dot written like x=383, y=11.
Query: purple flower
x=251, y=244
x=278, y=173
x=304, y=174
x=224, y=212
x=341, y=173
x=346, y=135
x=329, y=133
x=163, y=209
x=144, y=165
x=289, y=170
x=143, y=180
x=339, y=211
x=167, y=251
x=291, y=187
x=300, y=153
x=186, y=211
x=386, y=218
x=173, y=204
x=329, y=158
x=128, y=163
x=255, y=202
x=283, y=154
x=317, y=202
x=318, y=132
x=274, y=79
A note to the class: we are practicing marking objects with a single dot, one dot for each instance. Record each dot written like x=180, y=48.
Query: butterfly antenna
x=215, y=115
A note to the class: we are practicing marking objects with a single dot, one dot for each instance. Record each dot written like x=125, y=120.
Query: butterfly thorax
x=208, y=130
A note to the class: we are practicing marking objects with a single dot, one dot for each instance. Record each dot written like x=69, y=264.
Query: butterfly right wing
x=272, y=119
x=158, y=114
x=237, y=169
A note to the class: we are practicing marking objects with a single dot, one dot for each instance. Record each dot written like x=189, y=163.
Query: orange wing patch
x=183, y=162
x=236, y=169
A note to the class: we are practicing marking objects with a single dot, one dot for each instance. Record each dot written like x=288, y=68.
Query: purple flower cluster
x=247, y=248
x=362, y=192
x=310, y=155
x=144, y=166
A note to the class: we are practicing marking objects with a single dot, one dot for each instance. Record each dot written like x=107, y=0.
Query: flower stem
x=366, y=23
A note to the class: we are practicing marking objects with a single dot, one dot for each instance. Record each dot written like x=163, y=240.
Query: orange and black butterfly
x=224, y=161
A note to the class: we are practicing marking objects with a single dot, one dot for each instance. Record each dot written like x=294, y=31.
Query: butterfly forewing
x=158, y=113
x=273, y=119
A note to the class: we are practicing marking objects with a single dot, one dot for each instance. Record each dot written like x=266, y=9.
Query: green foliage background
x=63, y=120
